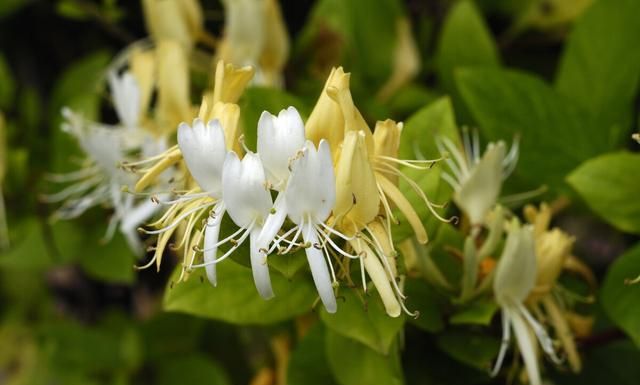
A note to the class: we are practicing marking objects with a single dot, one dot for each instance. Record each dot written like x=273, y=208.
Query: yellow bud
x=174, y=105
x=406, y=61
x=229, y=84
x=276, y=45
x=552, y=249
x=386, y=142
x=178, y=20
x=143, y=67
x=357, y=200
x=326, y=120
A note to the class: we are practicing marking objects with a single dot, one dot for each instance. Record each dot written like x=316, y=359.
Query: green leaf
x=602, y=73
x=72, y=9
x=479, y=312
x=621, y=301
x=555, y=134
x=465, y=41
x=191, y=369
x=474, y=349
x=368, y=324
x=610, y=186
x=255, y=100
x=236, y=300
x=353, y=363
x=422, y=298
x=418, y=142
x=288, y=264
x=28, y=249
x=112, y=261
x=308, y=363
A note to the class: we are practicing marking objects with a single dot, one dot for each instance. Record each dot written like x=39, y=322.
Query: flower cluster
x=335, y=183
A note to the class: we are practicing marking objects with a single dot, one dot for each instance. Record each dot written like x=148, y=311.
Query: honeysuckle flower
x=174, y=105
x=310, y=197
x=515, y=277
x=476, y=180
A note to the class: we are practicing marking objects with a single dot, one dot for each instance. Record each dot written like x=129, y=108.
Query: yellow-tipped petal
x=406, y=60
x=244, y=32
x=143, y=67
x=396, y=196
x=178, y=20
x=229, y=116
x=386, y=142
x=381, y=235
x=173, y=156
x=357, y=200
x=174, y=104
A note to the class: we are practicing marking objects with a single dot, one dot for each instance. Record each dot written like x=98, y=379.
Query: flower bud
x=178, y=20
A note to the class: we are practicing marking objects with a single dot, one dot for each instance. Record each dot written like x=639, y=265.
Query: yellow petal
x=357, y=200
x=276, y=45
x=326, y=120
x=178, y=20
x=396, y=196
x=174, y=155
x=229, y=83
x=174, y=104
x=143, y=67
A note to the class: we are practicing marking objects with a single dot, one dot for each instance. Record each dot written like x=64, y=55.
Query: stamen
x=177, y=221
x=504, y=345
x=230, y=251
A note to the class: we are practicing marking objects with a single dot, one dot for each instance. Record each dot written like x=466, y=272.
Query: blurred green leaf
x=353, y=363
x=236, y=300
x=422, y=298
x=465, y=41
x=191, y=369
x=368, y=324
x=7, y=7
x=255, y=100
x=610, y=187
x=28, y=249
x=471, y=348
x=7, y=84
x=479, y=312
x=288, y=264
x=600, y=72
x=555, y=134
x=72, y=9
x=308, y=364
x=621, y=301
x=110, y=261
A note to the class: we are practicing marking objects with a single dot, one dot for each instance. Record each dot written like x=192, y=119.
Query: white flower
x=310, y=197
x=476, y=180
x=515, y=277
x=204, y=150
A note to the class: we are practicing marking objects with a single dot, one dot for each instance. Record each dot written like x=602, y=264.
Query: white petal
x=527, y=347
x=279, y=139
x=204, y=150
x=319, y=270
x=126, y=98
x=244, y=189
x=516, y=270
x=211, y=234
x=311, y=189
x=259, y=265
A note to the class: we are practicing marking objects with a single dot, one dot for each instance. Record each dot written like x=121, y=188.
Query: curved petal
x=211, y=234
x=244, y=189
x=279, y=138
x=259, y=265
x=203, y=148
x=319, y=269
